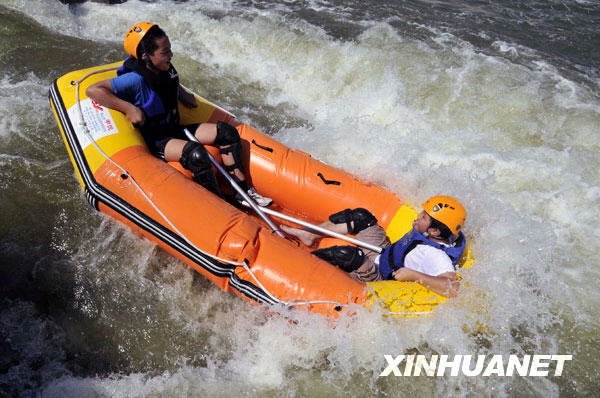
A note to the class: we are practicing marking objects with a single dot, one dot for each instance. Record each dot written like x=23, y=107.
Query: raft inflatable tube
x=231, y=247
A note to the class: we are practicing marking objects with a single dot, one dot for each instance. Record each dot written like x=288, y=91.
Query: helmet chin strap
x=426, y=233
x=148, y=62
x=430, y=236
x=146, y=58
x=449, y=241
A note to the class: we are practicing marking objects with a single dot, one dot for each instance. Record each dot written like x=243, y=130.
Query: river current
x=496, y=103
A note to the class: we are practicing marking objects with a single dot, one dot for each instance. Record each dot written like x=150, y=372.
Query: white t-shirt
x=428, y=260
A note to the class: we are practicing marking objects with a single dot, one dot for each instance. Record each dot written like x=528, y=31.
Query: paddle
x=262, y=210
x=323, y=230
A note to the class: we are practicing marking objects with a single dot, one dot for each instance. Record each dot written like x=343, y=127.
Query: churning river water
x=496, y=103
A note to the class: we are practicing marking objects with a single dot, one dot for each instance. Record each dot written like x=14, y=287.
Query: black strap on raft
x=328, y=182
x=266, y=148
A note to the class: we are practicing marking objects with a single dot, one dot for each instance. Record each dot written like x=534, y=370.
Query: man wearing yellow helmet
x=427, y=254
x=147, y=91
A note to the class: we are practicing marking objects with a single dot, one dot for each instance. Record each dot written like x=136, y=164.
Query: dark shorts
x=158, y=142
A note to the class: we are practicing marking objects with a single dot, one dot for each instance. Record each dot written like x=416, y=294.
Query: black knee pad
x=362, y=219
x=228, y=141
x=348, y=258
x=226, y=134
x=195, y=159
x=236, y=150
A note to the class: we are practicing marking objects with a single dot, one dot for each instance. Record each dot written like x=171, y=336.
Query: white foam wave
x=22, y=105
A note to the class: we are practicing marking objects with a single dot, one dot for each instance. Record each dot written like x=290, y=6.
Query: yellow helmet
x=446, y=210
x=134, y=36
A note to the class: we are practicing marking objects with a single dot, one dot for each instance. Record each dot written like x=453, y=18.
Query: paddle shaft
x=322, y=230
x=262, y=210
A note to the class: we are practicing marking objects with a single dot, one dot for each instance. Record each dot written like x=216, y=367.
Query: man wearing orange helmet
x=428, y=254
x=147, y=91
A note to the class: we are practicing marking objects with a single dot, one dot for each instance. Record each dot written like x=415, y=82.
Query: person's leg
x=193, y=157
x=344, y=222
x=353, y=260
x=173, y=150
x=347, y=258
x=376, y=236
x=227, y=139
x=309, y=236
x=367, y=272
x=359, y=263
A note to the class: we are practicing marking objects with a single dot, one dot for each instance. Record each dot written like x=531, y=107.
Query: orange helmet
x=446, y=210
x=134, y=36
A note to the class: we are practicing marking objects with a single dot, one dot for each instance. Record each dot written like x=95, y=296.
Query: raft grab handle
x=328, y=182
x=266, y=148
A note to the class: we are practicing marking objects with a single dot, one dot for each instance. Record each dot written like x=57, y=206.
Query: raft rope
x=244, y=264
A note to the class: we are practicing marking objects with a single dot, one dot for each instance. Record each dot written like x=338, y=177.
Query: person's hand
x=135, y=115
x=404, y=275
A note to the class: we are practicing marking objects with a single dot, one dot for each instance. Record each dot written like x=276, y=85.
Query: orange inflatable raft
x=231, y=247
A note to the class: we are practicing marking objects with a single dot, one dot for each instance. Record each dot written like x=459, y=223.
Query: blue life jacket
x=162, y=114
x=392, y=257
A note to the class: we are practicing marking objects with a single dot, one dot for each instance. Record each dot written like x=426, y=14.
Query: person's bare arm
x=102, y=93
x=446, y=284
x=187, y=98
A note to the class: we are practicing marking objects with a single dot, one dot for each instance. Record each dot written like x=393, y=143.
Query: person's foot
x=258, y=198
x=306, y=237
